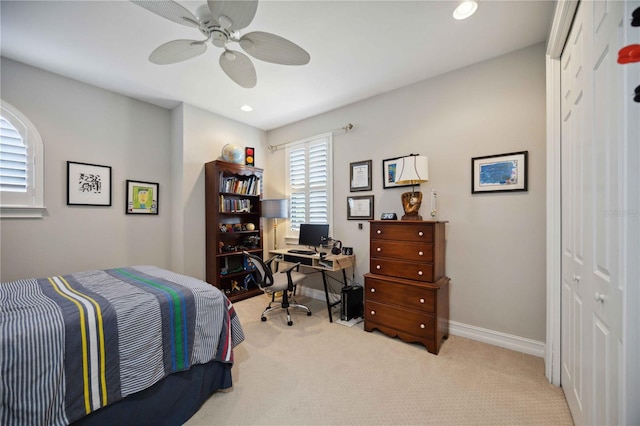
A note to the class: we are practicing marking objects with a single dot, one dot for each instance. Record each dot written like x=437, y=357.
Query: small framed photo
x=88, y=184
x=142, y=197
x=390, y=172
x=499, y=173
x=360, y=208
x=360, y=176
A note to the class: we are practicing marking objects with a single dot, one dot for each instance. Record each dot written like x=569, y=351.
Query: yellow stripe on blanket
x=93, y=345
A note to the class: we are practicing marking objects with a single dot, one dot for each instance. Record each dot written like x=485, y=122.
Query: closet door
x=592, y=158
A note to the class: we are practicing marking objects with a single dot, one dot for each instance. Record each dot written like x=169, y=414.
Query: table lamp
x=275, y=209
x=414, y=169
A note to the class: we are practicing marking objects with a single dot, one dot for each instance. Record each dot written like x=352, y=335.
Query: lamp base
x=411, y=203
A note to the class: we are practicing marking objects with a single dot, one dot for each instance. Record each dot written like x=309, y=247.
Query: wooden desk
x=329, y=263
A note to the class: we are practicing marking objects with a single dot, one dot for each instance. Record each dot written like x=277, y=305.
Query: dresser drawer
x=407, y=296
x=408, y=321
x=406, y=231
x=393, y=268
x=421, y=252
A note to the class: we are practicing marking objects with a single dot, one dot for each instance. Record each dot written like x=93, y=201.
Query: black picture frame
x=389, y=173
x=360, y=176
x=88, y=184
x=360, y=207
x=500, y=173
x=142, y=197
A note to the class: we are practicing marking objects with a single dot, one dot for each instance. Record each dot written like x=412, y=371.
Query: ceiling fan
x=220, y=21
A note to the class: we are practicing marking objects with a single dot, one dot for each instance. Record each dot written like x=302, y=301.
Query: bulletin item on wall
x=88, y=184
x=390, y=173
x=499, y=173
x=249, y=157
x=142, y=197
x=360, y=176
x=360, y=208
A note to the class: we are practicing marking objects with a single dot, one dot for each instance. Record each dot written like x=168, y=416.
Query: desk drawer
x=415, y=297
x=408, y=321
x=405, y=231
x=421, y=252
x=410, y=270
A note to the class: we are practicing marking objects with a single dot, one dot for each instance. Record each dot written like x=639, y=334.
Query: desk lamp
x=414, y=169
x=275, y=209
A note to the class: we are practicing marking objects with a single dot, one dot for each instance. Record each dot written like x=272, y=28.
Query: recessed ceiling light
x=246, y=108
x=465, y=9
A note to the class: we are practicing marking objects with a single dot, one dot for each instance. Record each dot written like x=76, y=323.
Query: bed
x=131, y=345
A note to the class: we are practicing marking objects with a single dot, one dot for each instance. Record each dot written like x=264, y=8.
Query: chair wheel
x=308, y=314
x=290, y=323
x=263, y=319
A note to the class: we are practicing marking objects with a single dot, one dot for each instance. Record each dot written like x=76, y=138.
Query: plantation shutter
x=13, y=159
x=309, y=182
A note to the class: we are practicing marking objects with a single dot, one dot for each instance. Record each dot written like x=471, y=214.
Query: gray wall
x=83, y=123
x=495, y=242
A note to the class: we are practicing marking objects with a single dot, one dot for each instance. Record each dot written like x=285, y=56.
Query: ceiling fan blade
x=272, y=48
x=239, y=12
x=239, y=68
x=169, y=10
x=177, y=51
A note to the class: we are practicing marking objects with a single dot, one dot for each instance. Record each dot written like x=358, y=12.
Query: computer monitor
x=313, y=234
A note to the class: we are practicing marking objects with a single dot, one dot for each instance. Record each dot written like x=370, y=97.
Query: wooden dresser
x=406, y=290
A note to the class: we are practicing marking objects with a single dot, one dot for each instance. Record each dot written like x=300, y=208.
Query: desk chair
x=284, y=282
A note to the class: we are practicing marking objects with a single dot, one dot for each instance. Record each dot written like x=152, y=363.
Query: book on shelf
x=234, y=185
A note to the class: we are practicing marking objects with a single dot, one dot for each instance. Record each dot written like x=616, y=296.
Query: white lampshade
x=276, y=208
x=414, y=169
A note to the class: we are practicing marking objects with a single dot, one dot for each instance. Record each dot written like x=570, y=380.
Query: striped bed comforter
x=74, y=343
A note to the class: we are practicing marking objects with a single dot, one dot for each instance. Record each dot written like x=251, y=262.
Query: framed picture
x=142, y=197
x=390, y=172
x=88, y=184
x=360, y=176
x=498, y=173
x=360, y=208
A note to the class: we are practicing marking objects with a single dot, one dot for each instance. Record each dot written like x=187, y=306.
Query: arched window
x=21, y=166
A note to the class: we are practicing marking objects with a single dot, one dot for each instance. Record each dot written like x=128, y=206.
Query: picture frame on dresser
x=500, y=173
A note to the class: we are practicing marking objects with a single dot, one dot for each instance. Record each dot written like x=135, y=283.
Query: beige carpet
x=318, y=373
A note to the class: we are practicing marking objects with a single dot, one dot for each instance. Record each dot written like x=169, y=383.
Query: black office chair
x=284, y=281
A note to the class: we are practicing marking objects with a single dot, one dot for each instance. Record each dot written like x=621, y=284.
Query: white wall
x=204, y=134
x=86, y=124
x=495, y=242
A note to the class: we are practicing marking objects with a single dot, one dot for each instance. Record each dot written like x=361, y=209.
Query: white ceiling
x=358, y=49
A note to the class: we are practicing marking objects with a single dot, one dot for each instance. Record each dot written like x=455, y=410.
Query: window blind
x=309, y=183
x=13, y=159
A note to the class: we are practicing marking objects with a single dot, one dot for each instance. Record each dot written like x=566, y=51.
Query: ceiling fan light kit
x=220, y=21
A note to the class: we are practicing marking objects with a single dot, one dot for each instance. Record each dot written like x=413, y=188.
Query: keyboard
x=306, y=252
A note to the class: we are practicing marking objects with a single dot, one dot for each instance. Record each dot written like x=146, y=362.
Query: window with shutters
x=309, y=182
x=21, y=166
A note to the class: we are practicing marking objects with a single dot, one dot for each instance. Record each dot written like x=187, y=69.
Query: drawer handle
x=378, y=267
x=379, y=232
x=373, y=290
x=420, y=253
x=422, y=326
x=420, y=273
x=420, y=234
x=421, y=300
x=379, y=249
x=373, y=312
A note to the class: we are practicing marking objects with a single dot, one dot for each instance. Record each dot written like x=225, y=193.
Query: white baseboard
x=491, y=337
x=496, y=338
